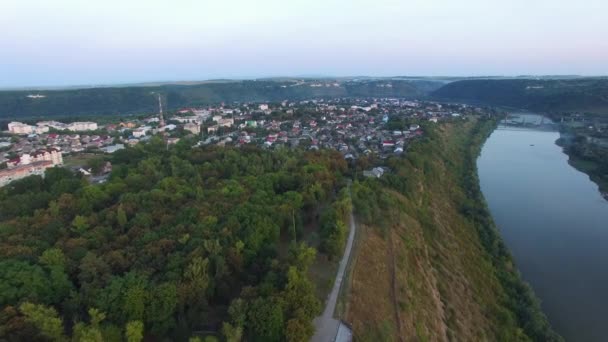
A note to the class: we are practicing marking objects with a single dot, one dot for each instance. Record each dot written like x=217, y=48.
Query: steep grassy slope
x=587, y=95
x=430, y=265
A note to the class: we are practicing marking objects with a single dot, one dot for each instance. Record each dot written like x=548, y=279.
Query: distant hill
x=547, y=95
x=138, y=99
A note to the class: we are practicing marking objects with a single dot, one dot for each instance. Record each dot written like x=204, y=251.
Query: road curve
x=326, y=326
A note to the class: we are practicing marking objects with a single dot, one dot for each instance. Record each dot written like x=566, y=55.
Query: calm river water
x=555, y=222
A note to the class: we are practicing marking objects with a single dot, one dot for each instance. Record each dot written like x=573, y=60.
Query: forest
x=181, y=244
x=587, y=95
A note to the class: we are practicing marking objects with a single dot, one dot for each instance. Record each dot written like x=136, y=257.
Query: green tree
x=45, y=319
x=54, y=261
x=298, y=330
x=135, y=299
x=53, y=257
x=161, y=308
x=80, y=224
x=121, y=217
x=265, y=319
x=134, y=331
x=196, y=281
x=300, y=296
x=301, y=256
x=20, y=280
x=90, y=332
x=232, y=333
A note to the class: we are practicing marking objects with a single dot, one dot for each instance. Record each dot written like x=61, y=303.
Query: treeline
x=138, y=99
x=176, y=244
x=589, y=158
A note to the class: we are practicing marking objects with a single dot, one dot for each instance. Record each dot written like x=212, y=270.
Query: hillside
x=137, y=99
x=546, y=95
x=430, y=265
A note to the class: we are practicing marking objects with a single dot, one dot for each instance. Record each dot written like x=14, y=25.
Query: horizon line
x=263, y=78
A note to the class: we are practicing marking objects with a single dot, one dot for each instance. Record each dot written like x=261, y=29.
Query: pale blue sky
x=61, y=42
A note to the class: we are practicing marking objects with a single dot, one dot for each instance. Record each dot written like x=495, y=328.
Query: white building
x=52, y=155
x=20, y=128
x=22, y=171
x=187, y=119
x=263, y=106
x=41, y=129
x=82, y=126
x=225, y=122
x=141, y=131
x=113, y=148
x=193, y=128
x=52, y=124
x=201, y=112
x=168, y=127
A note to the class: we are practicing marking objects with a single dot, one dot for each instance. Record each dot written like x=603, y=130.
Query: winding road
x=326, y=326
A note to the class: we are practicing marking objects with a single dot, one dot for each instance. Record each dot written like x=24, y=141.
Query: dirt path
x=393, y=280
x=326, y=326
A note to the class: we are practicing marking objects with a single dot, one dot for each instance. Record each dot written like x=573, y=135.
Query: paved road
x=326, y=326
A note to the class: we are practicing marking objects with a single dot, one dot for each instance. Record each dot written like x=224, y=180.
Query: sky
x=76, y=42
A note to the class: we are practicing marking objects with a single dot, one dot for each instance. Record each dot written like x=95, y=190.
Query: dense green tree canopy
x=174, y=242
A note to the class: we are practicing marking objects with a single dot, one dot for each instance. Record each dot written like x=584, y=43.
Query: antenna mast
x=160, y=109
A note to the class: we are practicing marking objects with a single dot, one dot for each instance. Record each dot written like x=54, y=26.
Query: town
x=354, y=127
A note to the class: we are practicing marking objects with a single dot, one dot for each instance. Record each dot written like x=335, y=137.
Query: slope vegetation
x=430, y=264
x=136, y=99
x=587, y=95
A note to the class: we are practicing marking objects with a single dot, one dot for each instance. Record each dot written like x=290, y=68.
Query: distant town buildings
x=82, y=126
x=44, y=126
x=51, y=155
x=36, y=96
x=30, y=164
x=141, y=131
x=112, y=148
x=21, y=128
x=354, y=127
x=193, y=128
x=376, y=172
x=37, y=168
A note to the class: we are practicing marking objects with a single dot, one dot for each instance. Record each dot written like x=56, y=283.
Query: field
x=78, y=160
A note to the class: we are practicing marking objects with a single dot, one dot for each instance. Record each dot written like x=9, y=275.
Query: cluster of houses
x=354, y=127
x=66, y=143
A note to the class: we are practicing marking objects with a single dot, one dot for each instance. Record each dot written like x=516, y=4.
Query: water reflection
x=554, y=221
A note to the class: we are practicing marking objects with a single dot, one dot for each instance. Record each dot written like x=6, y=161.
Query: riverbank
x=552, y=219
x=589, y=159
x=440, y=269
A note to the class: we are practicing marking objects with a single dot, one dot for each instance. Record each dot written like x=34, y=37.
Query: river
x=555, y=223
